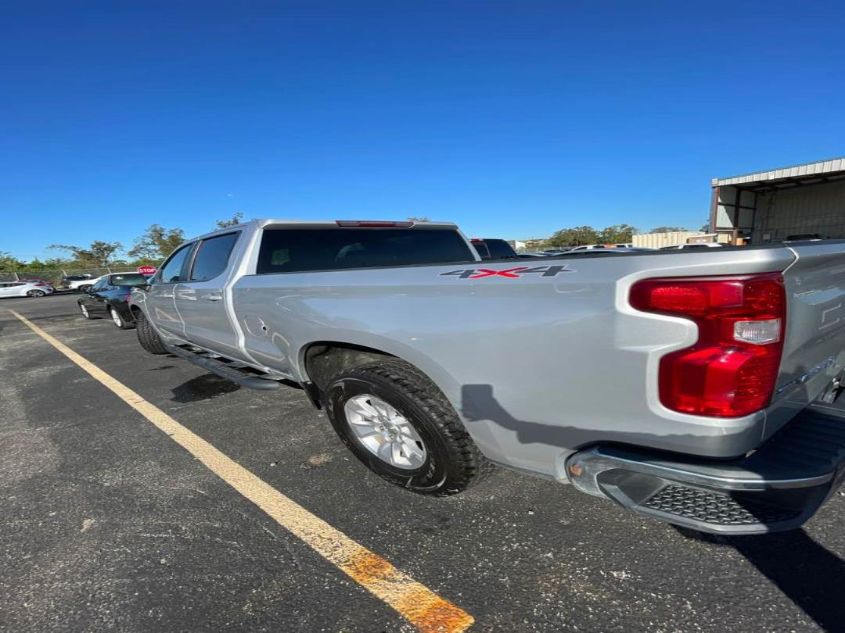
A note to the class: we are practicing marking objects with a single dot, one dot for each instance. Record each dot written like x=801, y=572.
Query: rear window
x=287, y=250
x=128, y=279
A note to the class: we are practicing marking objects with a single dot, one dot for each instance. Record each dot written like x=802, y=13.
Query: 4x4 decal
x=510, y=273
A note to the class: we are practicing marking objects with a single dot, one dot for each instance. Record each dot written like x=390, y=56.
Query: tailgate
x=814, y=346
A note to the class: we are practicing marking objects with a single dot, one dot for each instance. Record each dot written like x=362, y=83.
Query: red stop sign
x=147, y=270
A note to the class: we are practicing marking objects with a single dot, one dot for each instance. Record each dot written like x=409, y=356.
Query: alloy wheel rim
x=115, y=317
x=385, y=432
x=84, y=310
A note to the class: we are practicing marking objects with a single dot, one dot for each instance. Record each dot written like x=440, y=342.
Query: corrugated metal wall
x=808, y=209
x=659, y=240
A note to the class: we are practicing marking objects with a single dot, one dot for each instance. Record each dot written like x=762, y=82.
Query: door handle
x=213, y=297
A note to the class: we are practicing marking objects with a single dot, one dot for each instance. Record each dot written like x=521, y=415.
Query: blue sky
x=513, y=119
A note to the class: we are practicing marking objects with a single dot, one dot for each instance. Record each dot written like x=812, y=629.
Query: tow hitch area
x=778, y=487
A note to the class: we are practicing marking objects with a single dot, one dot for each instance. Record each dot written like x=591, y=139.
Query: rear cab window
x=288, y=250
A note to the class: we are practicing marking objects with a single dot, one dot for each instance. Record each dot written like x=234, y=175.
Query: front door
x=161, y=297
x=201, y=300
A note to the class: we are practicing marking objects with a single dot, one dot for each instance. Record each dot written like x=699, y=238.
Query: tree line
x=614, y=234
x=150, y=248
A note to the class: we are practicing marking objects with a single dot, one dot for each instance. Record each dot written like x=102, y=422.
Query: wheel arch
x=319, y=361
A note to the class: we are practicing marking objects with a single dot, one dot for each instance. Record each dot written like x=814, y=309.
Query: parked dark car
x=109, y=297
x=493, y=248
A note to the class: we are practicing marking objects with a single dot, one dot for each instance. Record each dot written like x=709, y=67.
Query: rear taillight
x=731, y=370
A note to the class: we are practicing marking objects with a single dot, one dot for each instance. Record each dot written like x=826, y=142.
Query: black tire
x=147, y=336
x=85, y=312
x=118, y=320
x=452, y=463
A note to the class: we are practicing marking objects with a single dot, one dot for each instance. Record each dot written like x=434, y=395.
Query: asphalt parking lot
x=108, y=524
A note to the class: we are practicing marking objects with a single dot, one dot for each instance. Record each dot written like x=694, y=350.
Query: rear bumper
x=778, y=487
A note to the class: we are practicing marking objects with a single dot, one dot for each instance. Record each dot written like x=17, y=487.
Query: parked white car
x=686, y=247
x=600, y=247
x=84, y=284
x=23, y=289
x=79, y=282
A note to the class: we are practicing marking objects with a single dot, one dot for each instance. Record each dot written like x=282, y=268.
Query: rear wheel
x=147, y=336
x=398, y=423
x=36, y=293
x=118, y=319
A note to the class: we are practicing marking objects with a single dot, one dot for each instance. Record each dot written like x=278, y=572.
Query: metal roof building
x=769, y=206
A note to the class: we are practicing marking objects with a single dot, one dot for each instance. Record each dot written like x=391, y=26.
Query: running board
x=234, y=371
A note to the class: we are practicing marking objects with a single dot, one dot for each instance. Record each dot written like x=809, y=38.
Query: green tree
x=98, y=254
x=575, y=236
x=617, y=234
x=155, y=244
x=667, y=229
x=8, y=263
x=236, y=219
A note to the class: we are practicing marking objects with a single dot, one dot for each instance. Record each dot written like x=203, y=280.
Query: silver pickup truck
x=698, y=388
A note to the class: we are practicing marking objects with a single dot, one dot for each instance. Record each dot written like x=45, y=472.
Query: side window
x=171, y=271
x=100, y=284
x=213, y=256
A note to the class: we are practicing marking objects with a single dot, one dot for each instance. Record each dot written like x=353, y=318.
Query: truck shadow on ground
x=203, y=387
x=807, y=573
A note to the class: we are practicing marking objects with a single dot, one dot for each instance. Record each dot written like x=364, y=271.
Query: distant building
x=532, y=244
x=670, y=238
x=790, y=202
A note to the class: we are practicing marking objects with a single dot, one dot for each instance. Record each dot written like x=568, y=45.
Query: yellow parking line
x=415, y=602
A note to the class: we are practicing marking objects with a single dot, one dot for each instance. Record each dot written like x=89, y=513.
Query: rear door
x=160, y=298
x=200, y=298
